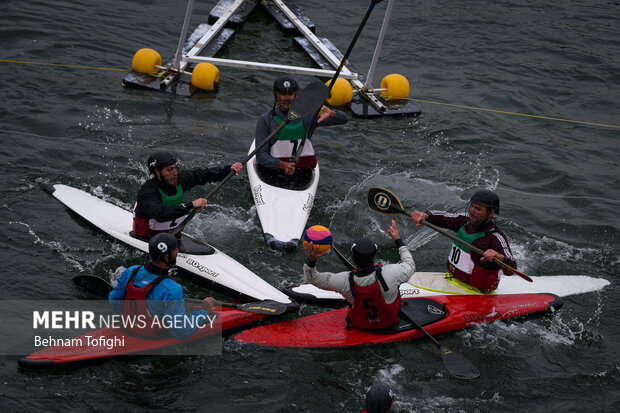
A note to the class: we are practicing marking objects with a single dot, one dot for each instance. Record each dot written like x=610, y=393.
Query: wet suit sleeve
x=264, y=127
x=496, y=241
x=202, y=176
x=117, y=295
x=340, y=119
x=446, y=220
x=396, y=274
x=338, y=282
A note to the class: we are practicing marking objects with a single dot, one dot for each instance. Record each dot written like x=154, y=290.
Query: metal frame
x=181, y=61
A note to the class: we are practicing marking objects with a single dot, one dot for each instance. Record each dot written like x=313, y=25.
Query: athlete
x=379, y=399
x=160, y=206
x=372, y=291
x=275, y=158
x=149, y=292
x=476, y=228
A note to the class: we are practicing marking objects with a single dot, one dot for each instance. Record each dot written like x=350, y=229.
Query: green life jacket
x=172, y=200
x=292, y=131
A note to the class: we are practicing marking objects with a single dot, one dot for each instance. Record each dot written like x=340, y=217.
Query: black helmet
x=285, y=85
x=486, y=198
x=160, y=159
x=161, y=245
x=379, y=398
x=363, y=252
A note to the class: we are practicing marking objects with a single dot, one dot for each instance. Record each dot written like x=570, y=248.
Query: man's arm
x=150, y=205
x=263, y=130
x=201, y=176
x=338, y=282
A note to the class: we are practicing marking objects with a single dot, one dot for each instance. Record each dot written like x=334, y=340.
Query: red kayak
x=438, y=314
x=94, y=348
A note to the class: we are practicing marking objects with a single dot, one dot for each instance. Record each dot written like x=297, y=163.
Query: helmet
x=161, y=245
x=285, y=85
x=160, y=159
x=363, y=252
x=379, y=398
x=486, y=198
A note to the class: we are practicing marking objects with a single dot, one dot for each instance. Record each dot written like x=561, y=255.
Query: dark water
x=558, y=182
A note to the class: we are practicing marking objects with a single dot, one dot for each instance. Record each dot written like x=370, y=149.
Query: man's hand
x=325, y=113
x=199, y=203
x=208, y=303
x=287, y=167
x=418, y=216
x=312, y=251
x=236, y=167
x=393, y=231
x=490, y=254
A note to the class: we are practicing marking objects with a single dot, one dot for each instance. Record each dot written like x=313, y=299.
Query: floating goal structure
x=195, y=65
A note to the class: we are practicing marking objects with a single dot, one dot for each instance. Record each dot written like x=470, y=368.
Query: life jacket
x=289, y=139
x=369, y=310
x=461, y=265
x=134, y=308
x=147, y=228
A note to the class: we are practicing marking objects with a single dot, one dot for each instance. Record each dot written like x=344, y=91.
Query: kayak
x=429, y=284
x=95, y=345
x=439, y=314
x=282, y=206
x=206, y=263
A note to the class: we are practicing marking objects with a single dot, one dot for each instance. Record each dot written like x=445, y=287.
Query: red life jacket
x=141, y=225
x=369, y=310
x=135, y=309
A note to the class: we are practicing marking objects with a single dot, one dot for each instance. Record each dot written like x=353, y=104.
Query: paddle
x=310, y=100
x=336, y=74
x=456, y=364
x=385, y=202
x=102, y=288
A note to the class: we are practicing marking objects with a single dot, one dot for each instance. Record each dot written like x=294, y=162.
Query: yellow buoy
x=341, y=93
x=397, y=87
x=205, y=76
x=145, y=60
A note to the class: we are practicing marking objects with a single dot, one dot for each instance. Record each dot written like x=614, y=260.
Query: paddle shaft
x=313, y=122
x=192, y=214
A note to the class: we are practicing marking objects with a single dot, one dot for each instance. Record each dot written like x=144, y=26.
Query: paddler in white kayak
x=275, y=158
x=478, y=229
x=371, y=290
x=148, y=292
x=160, y=206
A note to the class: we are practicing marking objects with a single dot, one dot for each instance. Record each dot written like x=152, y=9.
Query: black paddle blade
x=459, y=366
x=93, y=284
x=310, y=99
x=384, y=201
x=263, y=307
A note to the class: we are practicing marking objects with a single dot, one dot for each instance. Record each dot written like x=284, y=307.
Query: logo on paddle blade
x=382, y=201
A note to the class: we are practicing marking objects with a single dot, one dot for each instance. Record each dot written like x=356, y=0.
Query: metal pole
x=179, y=54
x=375, y=57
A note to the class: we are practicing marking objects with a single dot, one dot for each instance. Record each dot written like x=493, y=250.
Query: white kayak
x=208, y=263
x=283, y=211
x=427, y=284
